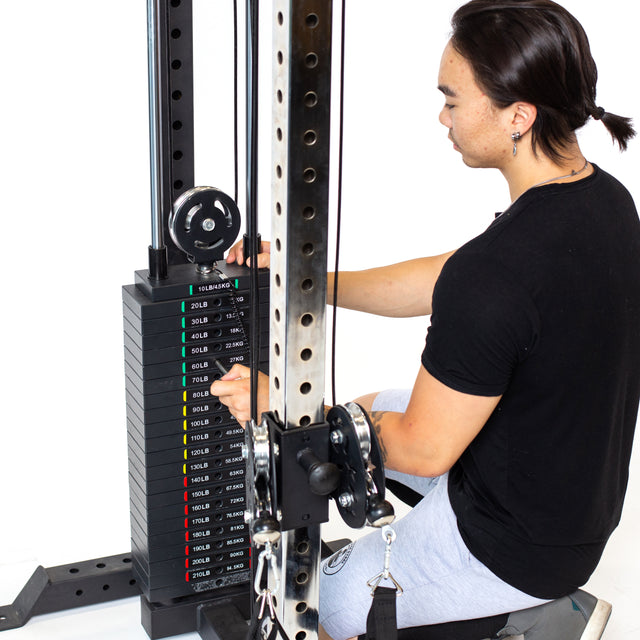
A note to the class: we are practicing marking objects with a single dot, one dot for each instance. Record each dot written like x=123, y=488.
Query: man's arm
x=438, y=425
x=426, y=440
x=399, y=290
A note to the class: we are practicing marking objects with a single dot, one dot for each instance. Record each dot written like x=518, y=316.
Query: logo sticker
x=333, y=564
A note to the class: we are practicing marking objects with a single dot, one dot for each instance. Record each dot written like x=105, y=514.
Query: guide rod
x=155, y=79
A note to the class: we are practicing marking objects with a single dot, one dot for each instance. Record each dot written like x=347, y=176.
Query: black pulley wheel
x=356, y=452
x=204, y=223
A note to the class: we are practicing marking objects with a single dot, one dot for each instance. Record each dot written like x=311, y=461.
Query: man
x=525, y=403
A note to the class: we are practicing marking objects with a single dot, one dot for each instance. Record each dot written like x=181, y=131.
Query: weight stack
x=186, y=471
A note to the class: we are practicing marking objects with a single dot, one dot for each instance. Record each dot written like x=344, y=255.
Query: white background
x=75, y=212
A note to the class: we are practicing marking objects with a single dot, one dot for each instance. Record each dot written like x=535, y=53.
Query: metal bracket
x=224, y=622
x=69, y=586
x=213, y=617
x=302, y=507
x=107, y=579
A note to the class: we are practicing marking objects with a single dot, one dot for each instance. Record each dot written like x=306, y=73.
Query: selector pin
x=220, y=367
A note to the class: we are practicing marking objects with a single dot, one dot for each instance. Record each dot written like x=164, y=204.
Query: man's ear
x=523, y=116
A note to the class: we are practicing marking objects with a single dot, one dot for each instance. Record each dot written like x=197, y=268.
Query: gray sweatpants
x=441, y=580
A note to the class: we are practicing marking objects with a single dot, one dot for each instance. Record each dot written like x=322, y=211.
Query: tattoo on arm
x=376, y=421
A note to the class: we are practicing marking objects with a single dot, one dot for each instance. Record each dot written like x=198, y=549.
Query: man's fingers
x=236, y=254
x=264, y=261
x=237, y=372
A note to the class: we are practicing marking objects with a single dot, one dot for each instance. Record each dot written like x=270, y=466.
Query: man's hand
x=233, y=389
x=236, y=254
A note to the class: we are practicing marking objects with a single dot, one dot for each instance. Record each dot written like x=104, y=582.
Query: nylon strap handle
x=381, y=621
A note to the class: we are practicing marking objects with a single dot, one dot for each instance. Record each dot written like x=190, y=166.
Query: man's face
x=479, y=130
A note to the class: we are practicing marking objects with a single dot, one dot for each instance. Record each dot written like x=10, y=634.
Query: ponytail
x=620, y=128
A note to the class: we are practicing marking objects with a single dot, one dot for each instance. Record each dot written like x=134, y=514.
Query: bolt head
x=345, y=500
x=208, y=224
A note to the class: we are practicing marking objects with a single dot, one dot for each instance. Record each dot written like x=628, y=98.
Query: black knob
x=265, y=529
x=324, y=477
x=379, y=512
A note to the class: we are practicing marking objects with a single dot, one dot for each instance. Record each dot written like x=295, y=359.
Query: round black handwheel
x=204, y=223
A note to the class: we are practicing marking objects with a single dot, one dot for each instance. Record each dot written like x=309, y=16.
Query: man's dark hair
x=535, y=51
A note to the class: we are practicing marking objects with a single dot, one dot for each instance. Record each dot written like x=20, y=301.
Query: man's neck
x=528, y=171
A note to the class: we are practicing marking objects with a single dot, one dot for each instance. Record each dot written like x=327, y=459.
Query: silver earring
x=515, y=137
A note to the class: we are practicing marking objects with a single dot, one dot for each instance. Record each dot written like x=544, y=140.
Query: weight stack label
x=186, y=471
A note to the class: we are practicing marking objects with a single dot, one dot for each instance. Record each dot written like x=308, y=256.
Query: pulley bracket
x=304, y=474
x=340, y=458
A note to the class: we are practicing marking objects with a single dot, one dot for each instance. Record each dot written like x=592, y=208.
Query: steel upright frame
x=301, y=134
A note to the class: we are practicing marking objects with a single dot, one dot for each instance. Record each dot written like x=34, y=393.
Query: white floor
x=615, y=580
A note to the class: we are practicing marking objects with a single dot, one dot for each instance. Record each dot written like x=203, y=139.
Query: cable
x=252, y=44
x=339, y=209
x=235, y=98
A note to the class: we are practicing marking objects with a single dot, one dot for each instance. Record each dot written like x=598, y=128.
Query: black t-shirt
x=543, y=308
